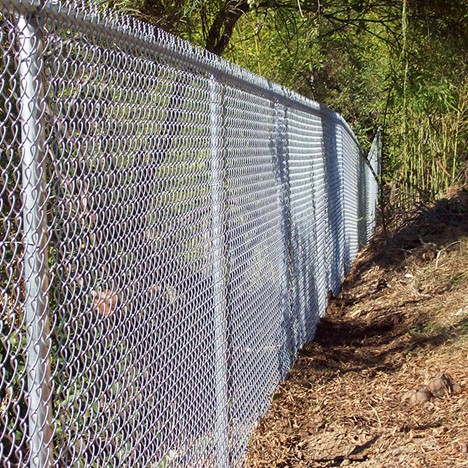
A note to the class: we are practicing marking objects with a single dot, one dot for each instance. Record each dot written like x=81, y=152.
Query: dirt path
x=400, y=320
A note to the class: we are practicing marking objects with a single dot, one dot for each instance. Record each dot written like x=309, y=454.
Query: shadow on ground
x=400, y=319
x=396, y=320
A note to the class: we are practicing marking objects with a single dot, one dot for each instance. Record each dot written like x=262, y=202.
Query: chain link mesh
x=171, y=228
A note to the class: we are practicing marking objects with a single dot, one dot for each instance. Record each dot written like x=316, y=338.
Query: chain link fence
x=171, y=226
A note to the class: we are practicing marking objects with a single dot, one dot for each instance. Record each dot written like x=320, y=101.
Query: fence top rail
x=99, y=19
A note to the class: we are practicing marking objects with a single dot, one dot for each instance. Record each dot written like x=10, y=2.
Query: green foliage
x=401, y=65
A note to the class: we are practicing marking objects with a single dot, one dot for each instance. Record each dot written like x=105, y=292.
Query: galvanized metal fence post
x=219, y=286
x=35, y=243
x=373, y=183
x=344, y=254
x=283, y=182
x=378, y=181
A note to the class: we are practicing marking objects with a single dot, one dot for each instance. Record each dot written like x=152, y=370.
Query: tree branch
x=221, y=30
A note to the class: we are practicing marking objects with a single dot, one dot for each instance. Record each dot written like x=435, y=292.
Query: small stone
x=423, y=395
x=407, y=396
x=441, y=386
x=412, y=398
x=417, y=396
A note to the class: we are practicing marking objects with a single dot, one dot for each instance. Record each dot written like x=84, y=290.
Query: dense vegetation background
x=400, y=65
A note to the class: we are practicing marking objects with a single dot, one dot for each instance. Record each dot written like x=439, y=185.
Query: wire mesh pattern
x=171, y=228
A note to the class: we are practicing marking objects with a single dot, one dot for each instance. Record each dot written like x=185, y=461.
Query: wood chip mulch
x=399, y=322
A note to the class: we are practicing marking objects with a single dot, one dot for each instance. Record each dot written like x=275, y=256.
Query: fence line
x=172, y=226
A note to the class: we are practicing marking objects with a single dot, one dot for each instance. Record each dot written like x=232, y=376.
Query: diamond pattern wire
x=171, y=226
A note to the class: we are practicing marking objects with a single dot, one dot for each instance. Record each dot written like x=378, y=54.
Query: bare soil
x=400, y=320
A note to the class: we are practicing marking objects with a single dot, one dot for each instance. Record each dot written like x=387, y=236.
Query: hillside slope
x=400, y=321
